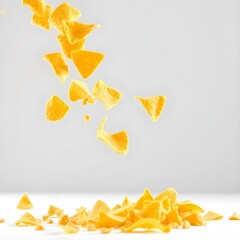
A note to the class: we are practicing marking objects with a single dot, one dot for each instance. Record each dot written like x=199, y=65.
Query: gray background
x=186, y=50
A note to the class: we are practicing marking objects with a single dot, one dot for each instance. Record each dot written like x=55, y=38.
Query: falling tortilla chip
x=43, y=21
x=28, y=220
x=56, y=109
x=76, y=31
x=235, y=216
x=86, y=118
x=55, y=211
x=64, y=12
x=105, y=94
x=109, y=220
x=67, y=47
x=86, y=61
x=146, y=195
x=24, y=202
x=79, y=91
x=170, y=193
x=58, y=64
x=209, y=216
x=37, y=6
x=153, y=105
x=148, y=224
x=118, y=142
x=70, y=228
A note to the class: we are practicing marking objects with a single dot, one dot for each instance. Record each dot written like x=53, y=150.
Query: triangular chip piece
x=67, y=47
x=210, y=216
x=75, y=31
x=109, y=220
x=37, y=6
x=118, y=142
x=28, y=220
x=153, y=105
x=106, y=94
x=173, y=217
x=194, y=218
x=98, y=207
x=123, y=210
x=64, y=12
x=170, y=193
x=58, y=64
x=235, y=216
x=70, y=228
x=146, y=195
x=56, y=109
x=86, y=61
x=24, y=202
x=43, y=21
x=55, y=211
x=79, y=91
x=152, y=210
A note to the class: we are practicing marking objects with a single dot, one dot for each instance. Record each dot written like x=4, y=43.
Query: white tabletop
x=220, y=230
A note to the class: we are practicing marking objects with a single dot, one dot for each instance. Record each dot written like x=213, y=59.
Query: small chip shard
x=106, y=94
x=153, y=105
x=210, y=216
x=116, y=141
x=24, y=202
x=70, y=228
x=86, y=118
x=235, y=216
x=37, y=6
x=43, y=21
x=39, y=228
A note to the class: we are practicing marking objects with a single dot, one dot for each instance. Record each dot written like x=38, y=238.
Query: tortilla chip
x=91, y=227
x=76, y=31
x=37, y=6
x=98, y=207
x=2, y=220
x=106, y=94
x=55, y=211
x=24, y=202
x=118, y=142
x=153, y=105
x=28, y=220
x=64, y=12
x=123, y=210
x=43, y=21
x=126, y=201
x=86, y=61
x=170, y=193
x=56, y=109
x=152, y=210
x=195, y=219
x=185, y=225
x=79, y=218
x=189, y=207
x=235, y=216
x=107, y=219
x=70, y=228
x=63, y=220
x=106, y=230
x=173, y=217
x=58, y=64
x=209, y=216
x=67, y=48
x=146, y=196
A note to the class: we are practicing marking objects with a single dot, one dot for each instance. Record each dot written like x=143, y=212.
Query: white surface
x=219, y=230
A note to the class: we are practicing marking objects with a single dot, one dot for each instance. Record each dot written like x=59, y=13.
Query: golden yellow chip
x=49, y=221
x=153, y=105
x=173, y=217
x=122, y=210
x=64, y=12
x=58, y=64
x=37, y=6
x=106, y=230
x=147, y=224
x=118, y=142
x=146, y=196
x=126, y=201
x=117, y=206
x=98, y=207
x=79, y=91
x=70, y=228
x=185, y=224
x=56, y=109
x=107, y=219
x=45, y=218
x=55, y=211
x=189, y=207
x=43, y=21
x=80, y=217
x=86, y=61
x=63, y=220
x=39, y=228
x=2, y=220
x=165, y=204
x=170, y=193
x=67, y=47
x=152, y=210
x=195, y=219
x=28, y=220
x=87, y=118
x=24, y=202
x=235, y=216
x=91, y=227
x=106, y=94
x=209, y=216
x=76, y=31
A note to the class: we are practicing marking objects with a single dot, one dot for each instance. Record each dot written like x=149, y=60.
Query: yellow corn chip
x=107, y=219
x=79, y=218
x=45, y=218
x=173, y=217
x=64, y=12
x=70, y=228
x=153, y=105
x=152, y=210
x=148, y=224
x=87, y=118
x=2, y=220
x=49, y=221
x=213, y=216
x=76, y=31
x=170, y=193
x=56, y=109
x=63, y=220
x=185, y=225
x=28, y=220
x=126, y=201
x=235, y=216
x=24, y=202
x=118, y=142
x=98, y=207
x=195, y=219
x=86, y=61
x=146, y=196
x=106, y=230
x=67, y=47
x=91, y=227
x=55, y=211
x=58, y=64
x=39, y=228
x=79, y=91
x=123, y=210
x=105, y=94
x=43, y=21
x=117, y=206
x=37, y=6
x=189, y=207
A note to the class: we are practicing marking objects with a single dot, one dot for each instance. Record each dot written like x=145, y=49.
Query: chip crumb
x=39, y=228
x=91, y=227
x=87, y=118
x=45, y=218
x=185, y=224
x=2, y=220
x=49, y=221
x=210, y=216
x=3, y=11
x=106, y=230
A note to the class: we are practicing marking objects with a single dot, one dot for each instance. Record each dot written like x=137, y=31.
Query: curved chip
x=235, y=216
x=67, y=47
x=189, y=207
x=70, y=228
x=79, y=91
x=152, y=210
x=76, y=31
x=194, y=218
x=37, y=6
x=153, y=105
x=106, y=94
x=109, y=220
x=86, y=118
x=122, y=210
x=58, y=64
x=98, y=207
x=55, y=211
x=86, y=61
x=56, y=109
x=146, y=196
x=170, y=193
x=28, y=220
x=24, y=202
x=65, y=11
x=173, y=217
x=209, y=216
x=43, y=21
x=118, y=142
x=148, y=224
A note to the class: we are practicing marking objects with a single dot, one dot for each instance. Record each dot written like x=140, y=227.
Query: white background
x=186, y=50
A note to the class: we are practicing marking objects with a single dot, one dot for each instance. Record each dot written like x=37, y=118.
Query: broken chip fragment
x=70, y=228
x=37, y=6
x=24, y=202
x=210, y=216
x=43, y=21
x=116, y=141
x=28, y=220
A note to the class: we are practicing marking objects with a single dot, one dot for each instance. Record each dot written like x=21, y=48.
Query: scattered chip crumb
x=49, y=221
x=2, y=220
x=91, y=227
x=39, y=228
x=45, y=218
x=185, y=225
x=87, y=118
x=3, y=11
